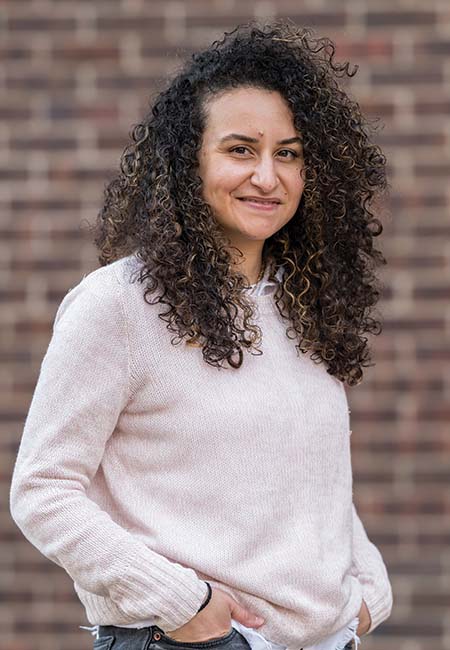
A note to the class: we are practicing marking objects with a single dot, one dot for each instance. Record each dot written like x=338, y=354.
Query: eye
x=294, y=154
x=241, y=149
x=235, y=149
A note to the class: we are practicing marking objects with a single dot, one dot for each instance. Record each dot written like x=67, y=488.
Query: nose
x=264, y=174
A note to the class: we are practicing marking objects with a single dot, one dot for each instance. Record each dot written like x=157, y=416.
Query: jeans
x=153, y=638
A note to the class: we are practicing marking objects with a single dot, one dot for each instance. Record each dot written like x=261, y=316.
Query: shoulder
x=112, y=276
x=101, y=291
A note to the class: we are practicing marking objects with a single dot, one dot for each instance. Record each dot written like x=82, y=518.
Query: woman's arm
x=368, y=566
x=83, y=386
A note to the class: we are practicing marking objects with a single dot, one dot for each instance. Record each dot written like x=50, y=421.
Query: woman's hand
x=364, y=620
x=214, y=620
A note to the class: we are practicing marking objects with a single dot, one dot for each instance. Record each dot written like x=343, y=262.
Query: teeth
x=258, y=201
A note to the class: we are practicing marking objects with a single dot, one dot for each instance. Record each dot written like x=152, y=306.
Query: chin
x=257, y=236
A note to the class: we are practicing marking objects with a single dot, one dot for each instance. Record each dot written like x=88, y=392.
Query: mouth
x=260, y=205
x=259, y=201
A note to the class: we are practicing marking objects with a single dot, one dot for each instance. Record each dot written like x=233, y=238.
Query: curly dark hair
x=153, y=207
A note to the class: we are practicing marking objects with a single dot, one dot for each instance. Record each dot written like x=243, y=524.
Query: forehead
x=253, y=108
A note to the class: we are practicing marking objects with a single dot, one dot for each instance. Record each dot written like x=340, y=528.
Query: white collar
x=259, y=288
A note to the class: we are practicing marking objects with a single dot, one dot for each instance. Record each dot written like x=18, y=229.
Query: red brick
x=401, y=18
x=67, y=71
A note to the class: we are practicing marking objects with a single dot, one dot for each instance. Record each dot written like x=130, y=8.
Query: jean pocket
x=103, y=643
x=209, y=643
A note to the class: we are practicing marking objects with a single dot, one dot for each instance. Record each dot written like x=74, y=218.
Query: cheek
x=297, y=182
x=224, y=179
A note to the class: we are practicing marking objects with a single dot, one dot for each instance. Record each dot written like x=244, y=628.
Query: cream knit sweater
x=143, y=471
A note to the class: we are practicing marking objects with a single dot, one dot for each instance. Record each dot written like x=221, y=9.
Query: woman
x=199, y=496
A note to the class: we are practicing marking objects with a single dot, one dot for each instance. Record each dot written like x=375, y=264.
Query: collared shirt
x=336, y=641
x=263, y=286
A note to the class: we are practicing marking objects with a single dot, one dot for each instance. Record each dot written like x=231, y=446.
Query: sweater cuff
x=368, y=566
x=379, y=607
x=168, y=591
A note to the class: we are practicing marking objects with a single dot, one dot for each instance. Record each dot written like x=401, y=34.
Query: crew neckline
x=264, y=301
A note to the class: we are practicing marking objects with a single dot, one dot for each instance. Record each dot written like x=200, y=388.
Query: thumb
x=244, y=616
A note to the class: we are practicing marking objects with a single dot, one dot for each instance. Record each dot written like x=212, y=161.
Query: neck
x=255, y=276
x=251, y=265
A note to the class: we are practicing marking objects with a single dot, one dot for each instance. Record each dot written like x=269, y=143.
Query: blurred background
x=74, y=78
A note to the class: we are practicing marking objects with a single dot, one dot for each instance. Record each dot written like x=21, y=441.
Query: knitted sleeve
x=83, y=385
x=368, y=566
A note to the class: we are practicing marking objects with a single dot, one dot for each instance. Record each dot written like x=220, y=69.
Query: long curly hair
x=153, y=207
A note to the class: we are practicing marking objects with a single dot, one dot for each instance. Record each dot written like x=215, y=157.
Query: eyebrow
x=246, y=138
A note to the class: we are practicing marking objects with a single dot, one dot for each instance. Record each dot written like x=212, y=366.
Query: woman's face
x=251, y=163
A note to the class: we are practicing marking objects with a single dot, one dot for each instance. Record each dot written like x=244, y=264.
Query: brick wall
x=75, y=77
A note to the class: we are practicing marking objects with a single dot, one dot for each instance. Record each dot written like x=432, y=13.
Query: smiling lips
x=260, y=204
x=256, y=199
